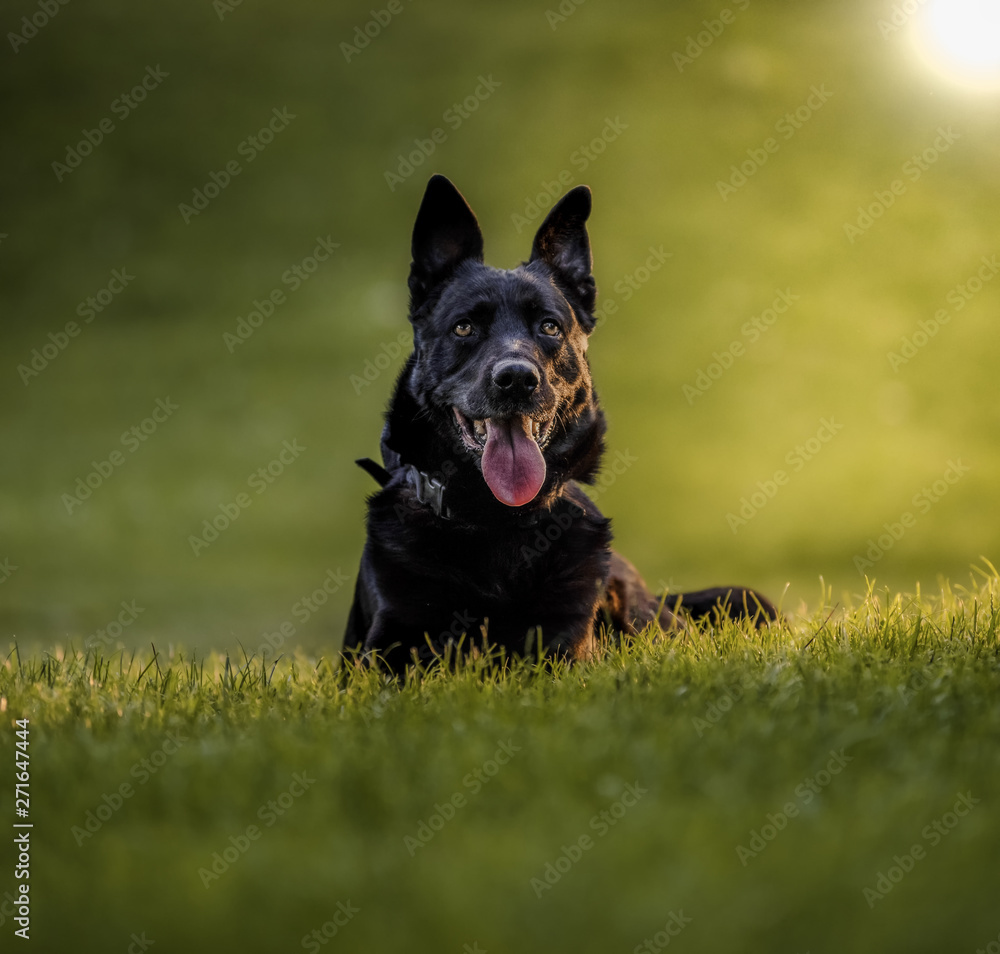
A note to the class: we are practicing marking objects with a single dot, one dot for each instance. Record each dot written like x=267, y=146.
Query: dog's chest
x=504, y=562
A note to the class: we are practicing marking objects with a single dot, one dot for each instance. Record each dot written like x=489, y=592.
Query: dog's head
x=499, y=357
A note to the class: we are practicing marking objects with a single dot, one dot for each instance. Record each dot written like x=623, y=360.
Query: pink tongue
x=512, y=462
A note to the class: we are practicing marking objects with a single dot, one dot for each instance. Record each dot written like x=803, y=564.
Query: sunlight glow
x=961, y=40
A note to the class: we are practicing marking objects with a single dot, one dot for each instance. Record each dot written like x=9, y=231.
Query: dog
x=480, y=529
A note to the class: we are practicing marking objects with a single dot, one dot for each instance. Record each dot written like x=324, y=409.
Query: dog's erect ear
x=445, y=234
x=563, y=244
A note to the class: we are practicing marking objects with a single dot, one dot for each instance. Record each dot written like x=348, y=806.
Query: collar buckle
x=429, y=490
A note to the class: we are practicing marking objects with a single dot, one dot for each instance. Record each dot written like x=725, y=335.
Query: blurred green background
x=553, y=87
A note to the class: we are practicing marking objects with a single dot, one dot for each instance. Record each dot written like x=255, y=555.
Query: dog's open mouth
x=511, y=451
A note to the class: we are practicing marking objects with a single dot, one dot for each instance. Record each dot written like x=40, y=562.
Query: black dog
x=480, y=527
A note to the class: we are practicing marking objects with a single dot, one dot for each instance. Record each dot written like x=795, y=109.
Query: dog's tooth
x=480, y=427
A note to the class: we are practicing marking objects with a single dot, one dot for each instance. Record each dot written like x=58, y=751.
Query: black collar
x=429, y=490
x=376, y=471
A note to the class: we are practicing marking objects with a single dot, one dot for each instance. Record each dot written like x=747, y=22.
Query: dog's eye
x=463, y=329
x=550, y=327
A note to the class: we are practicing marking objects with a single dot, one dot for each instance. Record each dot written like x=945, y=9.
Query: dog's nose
x=515, y=378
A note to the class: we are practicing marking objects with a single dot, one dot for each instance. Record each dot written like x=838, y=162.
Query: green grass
x=709, y=733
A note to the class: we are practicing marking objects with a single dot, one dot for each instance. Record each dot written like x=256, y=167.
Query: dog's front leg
x=565, y=631
x=580, y=643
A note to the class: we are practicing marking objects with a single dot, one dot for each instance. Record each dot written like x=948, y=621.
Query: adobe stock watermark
x=384, y=359
x=898, y=18
x=222, y=7
x=559, y=522
x=462, y=622
x=752, y=331
x=45, y=11
x=132, y=440
x=958, y=298
x=382, y=703
x=723, y=703
x=922, y=501
x=328, y=930
x=268, y=814
x=993, y=947
x=15, y=906
x=629, y=284
x=294, y=277
x=912, y=170
x=7, y=570
x=786, y=127
x=454, y=116
x=676, y=922
x=805, y=792
x=474, y=782
x=601, y=823
x=258, y=481
x=797, y=458
x=581, y=158
x=122, y=107
x=18, y=906
x=933, y=834
x=139, y=943
x=371, y=29
x=555, y=18
x=249, y=148
x=699, y=42
x=608, y=477
x=303, y=610
x=917, y=681
x=87, y=310
x=110, y=632
x=142, y=771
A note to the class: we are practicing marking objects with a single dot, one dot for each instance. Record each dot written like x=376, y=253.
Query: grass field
x=117, y=445
x=822, y=787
